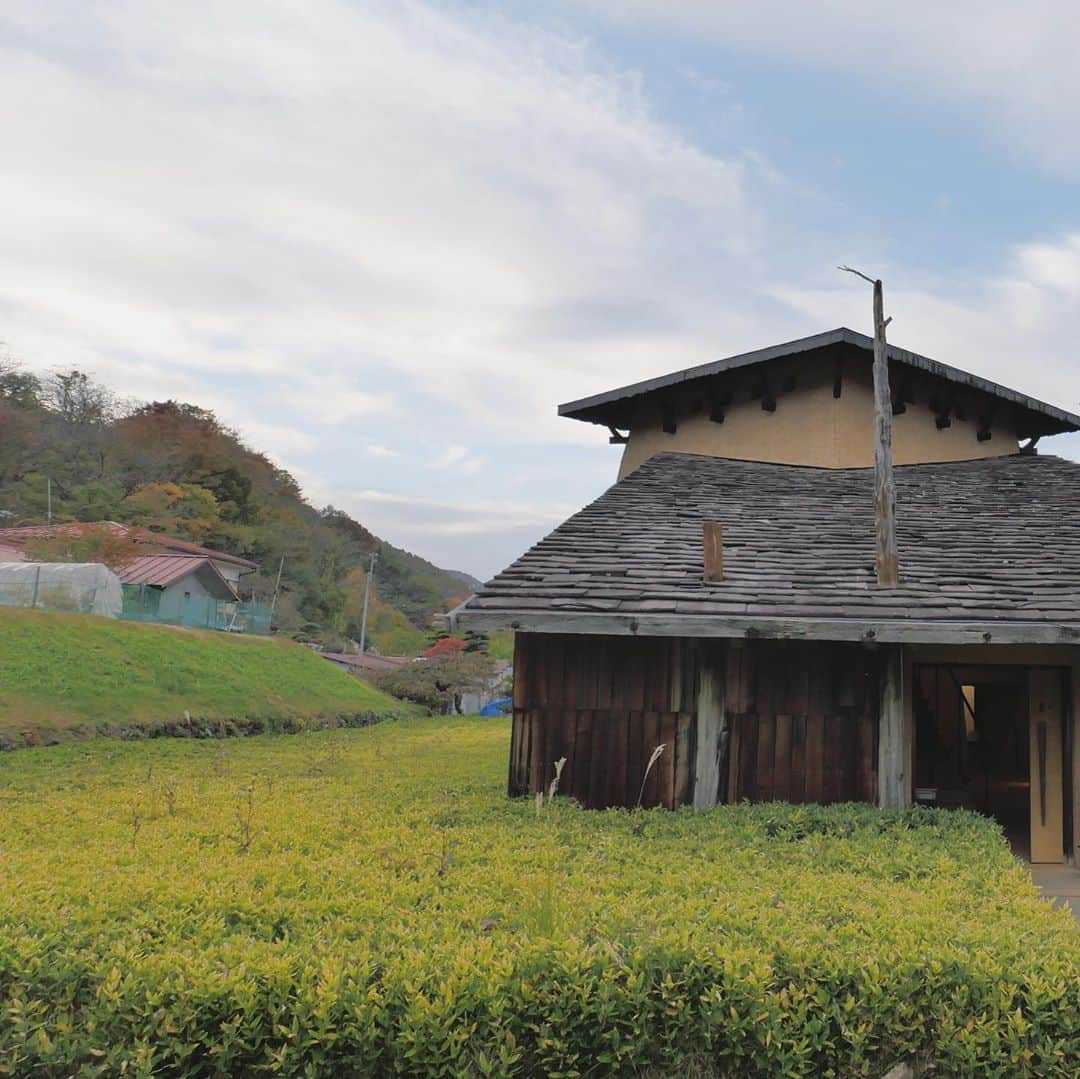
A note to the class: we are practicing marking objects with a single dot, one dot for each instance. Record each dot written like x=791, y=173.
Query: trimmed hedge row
x=386, y=911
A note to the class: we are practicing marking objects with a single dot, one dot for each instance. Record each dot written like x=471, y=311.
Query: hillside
x=64, y=675
x=174, y=468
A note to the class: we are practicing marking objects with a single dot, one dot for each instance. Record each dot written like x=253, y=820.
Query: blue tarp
x=498, y=707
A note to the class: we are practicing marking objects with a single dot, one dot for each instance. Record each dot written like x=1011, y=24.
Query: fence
x=145, y=604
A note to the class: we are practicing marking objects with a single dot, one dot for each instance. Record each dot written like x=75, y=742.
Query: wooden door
x=1047, y=773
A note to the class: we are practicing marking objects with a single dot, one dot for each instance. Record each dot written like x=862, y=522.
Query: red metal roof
x=162, y=570
x=16, y=537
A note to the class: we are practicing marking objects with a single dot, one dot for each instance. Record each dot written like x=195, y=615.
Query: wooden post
x=1072, y=731
x=713, y=540
x=711, y=722
x=892, y=749
x=885, y=563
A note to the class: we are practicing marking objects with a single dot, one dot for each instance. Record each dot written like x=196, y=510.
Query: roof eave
x=585, y=408
x=865, y=631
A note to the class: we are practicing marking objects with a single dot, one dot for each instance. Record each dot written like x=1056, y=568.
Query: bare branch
x=857, y=273
x=888, y=320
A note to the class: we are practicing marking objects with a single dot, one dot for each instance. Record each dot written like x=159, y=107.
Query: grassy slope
x=375, y=893
x=61, y=673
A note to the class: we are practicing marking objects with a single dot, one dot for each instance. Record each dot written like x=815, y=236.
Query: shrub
x=380, y=908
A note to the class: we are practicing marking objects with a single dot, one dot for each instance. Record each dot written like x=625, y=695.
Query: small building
x=175, y=581
x=792, y=675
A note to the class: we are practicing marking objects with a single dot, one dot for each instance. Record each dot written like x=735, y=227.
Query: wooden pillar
x=710, y=729
x=1072, y=718
x=893, y=780
x=1045, y=715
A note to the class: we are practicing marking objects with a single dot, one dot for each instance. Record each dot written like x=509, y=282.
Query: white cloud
x=1015, y=63
x=324, y=197
x=376, y=449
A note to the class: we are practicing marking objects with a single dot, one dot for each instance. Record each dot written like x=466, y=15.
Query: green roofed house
x=723, y=598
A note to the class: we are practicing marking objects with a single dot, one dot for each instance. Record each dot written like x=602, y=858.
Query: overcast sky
x=385, y=240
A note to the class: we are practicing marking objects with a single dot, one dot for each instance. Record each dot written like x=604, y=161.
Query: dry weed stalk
x=656, y=754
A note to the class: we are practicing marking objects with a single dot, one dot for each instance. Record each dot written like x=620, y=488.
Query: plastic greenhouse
x=86, y=587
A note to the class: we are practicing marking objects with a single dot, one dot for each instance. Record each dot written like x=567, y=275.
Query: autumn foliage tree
x=112, y=547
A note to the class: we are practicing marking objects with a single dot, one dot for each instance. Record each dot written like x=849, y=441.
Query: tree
x=439, y=684
x=85, y=543
x=183, y=509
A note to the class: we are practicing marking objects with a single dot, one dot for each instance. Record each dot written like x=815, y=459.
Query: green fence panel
x=145, y=604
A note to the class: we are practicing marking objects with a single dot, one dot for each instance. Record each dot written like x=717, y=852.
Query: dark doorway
x=973, y=745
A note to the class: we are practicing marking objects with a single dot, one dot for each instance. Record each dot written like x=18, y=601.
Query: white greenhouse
x=86, y=587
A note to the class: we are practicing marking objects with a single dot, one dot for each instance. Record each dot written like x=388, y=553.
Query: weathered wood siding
x=803, y=721
x=800, y=718
x=604, y=703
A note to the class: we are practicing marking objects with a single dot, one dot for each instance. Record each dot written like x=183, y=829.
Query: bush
x=369, y=903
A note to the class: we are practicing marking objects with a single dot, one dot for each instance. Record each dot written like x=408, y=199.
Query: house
x=721, y=599
x=173, y=581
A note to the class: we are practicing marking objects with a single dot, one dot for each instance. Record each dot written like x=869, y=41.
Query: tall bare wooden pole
x=886, y=562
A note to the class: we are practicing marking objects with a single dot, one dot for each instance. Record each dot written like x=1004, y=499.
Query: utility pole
x=367, y=596
x=48, y=488
x=886, y=562
x=277, y=585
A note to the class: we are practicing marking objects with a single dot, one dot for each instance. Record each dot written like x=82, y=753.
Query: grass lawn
x=368, y=902
x=63, y=674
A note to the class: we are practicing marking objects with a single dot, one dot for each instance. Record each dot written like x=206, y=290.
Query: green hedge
x=389, y=912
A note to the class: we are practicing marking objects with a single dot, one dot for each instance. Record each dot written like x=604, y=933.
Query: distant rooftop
x=13, y=538
x=614, y=408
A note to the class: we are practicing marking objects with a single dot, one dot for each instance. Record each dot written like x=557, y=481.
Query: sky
x=384, y=241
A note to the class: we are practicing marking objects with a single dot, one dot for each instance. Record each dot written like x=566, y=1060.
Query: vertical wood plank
x=709, y=724
x=666, y=764
x=568, y=749
x=651, y=724
x=1045, y=755
x=583, y=755
x=635, y=757
x=748, y=785
x=866, y=777
x=735, y=739
x=615, y=786
x=797, y=783
x=684, y=757
x=815, y=763
x=766, y=747
x=893, y=787
x=781, y=783
x=599, y=763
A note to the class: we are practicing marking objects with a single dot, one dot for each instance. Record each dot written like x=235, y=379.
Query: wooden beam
x=667, y=420
x=886, y=563
x=743, y=627
x=718, y=404
x=712, y=534
x=617, y=438
x=893, y=784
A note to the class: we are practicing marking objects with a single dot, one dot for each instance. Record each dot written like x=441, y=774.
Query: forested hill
x=175, y=468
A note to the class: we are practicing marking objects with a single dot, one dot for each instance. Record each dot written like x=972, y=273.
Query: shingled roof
x=989, y=553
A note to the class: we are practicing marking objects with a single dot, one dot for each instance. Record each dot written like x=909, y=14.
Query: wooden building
x=721, y=599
